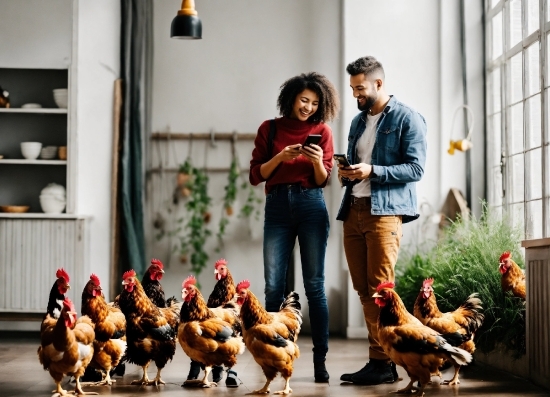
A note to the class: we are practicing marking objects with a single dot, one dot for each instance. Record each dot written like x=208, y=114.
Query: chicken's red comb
x=428, y=282
x=191, y=280
x=61, y=273
x=245, y=284
x=506, y=255
x=129, y=273
x=220, y=262
x=95, y=279
x=385, y=284
x=69, y=304
x=157, y=262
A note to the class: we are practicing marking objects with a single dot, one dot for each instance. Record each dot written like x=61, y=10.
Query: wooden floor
x=22, y=375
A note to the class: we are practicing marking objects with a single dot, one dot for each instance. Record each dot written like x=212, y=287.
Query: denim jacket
x=398, y=160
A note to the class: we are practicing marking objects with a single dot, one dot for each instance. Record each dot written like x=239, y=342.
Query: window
x=518, y=107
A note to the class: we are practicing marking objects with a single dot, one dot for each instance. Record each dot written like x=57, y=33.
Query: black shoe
x=231, y=380
x=119, y=370
x=320, y=372
x=347, y=377
x=374, y=373
x=194, y=371
x=217, y=373
x=394, y=371
x=91, y=375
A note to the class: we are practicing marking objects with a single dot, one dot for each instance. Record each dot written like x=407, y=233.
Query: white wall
x=229, y=81
x=95, y=67
x=35, y=33
x=418, y=44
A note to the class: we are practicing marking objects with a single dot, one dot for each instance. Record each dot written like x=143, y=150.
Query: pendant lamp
x=186, y=25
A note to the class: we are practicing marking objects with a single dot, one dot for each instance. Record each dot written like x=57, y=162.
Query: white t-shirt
x=365, y=144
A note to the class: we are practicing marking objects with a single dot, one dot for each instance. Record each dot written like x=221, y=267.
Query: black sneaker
x=217, y=373
x=374, y=373
x=320, y=372
x=194, y=370
x=231, y=380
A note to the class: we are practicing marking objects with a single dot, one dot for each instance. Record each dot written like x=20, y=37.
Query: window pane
x=534, y=220
x=515, y=23
x=517, y=185
x=533, y=182
x=534, y=133
x=494, y=3
x=495, y=189
x=546, y=116
x=515, y=130
x=532, y=16
x=494, y=140
x=533, y=71
x=515, y=79
x=518, y=215
x=497, y=35
x=494, y=80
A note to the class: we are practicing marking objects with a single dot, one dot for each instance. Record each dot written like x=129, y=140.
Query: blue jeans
x=292, y=211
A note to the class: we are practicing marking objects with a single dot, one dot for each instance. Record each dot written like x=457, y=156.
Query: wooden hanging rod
x=216, y=136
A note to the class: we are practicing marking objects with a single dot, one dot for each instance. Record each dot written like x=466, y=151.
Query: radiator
x=537, y=258
x=31, y=250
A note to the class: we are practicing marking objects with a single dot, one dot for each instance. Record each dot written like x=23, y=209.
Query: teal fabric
x=136, y=50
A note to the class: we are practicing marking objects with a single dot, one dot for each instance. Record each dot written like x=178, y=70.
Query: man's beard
x=368, y=103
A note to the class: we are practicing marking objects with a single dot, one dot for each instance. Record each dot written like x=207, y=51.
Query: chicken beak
x=161, y=271
x=377, y=295
x=67, y=286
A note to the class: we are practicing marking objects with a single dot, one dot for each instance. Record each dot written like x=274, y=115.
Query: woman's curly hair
x=329, y=103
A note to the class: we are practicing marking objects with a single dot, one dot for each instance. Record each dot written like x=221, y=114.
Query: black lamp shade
x=186, y=27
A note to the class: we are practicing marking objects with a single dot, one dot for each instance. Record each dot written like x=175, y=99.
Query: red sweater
x=299, y=170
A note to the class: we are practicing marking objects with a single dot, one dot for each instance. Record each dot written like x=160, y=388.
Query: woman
x=295, y=206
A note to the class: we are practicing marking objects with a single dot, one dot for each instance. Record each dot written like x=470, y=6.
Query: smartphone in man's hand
x=342, y=159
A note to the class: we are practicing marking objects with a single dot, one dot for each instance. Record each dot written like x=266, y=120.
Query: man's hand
x=355, y=171
x=289, y=153
x=313, y=153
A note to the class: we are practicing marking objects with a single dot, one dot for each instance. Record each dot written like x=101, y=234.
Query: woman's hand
x=355, y=171
x=289, y=153
x=313, y=153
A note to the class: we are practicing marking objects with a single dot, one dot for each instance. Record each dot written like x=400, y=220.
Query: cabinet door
x=31, y=251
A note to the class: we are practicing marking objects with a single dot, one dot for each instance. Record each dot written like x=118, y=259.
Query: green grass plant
x=464, y=261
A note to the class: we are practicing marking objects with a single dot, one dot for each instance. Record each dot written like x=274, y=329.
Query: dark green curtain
x=136, y=50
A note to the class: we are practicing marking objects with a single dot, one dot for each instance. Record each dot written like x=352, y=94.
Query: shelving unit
x=21, y=179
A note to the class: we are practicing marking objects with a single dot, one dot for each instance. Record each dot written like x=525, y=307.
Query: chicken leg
x=157, y=381
x=454, y=380
x=287, y=389
x=263, y=390
x=144, y=379
x=201, y=382
x=78, y=389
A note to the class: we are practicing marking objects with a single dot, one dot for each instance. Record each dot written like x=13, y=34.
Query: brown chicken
x=412, y=345
x=151, y=284
x=513, y=276
x=203, y=336
x=110, y=329
x=224, y=291
x=465, y=320
x=150, y=331
x=57, y=293
x=271, y=337
x=66, y=346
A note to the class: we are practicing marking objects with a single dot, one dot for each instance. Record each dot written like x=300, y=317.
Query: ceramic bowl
x=31, y=150
x=61, y=97
x=14, y=208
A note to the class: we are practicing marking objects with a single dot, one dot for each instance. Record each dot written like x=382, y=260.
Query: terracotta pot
x=206, y=216
x=229, y=210
x=183, y=178
x=185, y=191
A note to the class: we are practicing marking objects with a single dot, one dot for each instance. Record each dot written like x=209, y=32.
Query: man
x=387, y=153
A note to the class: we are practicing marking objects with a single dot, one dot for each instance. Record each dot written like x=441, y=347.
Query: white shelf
x=40, y=215
x=38, y=111
x=41, y=162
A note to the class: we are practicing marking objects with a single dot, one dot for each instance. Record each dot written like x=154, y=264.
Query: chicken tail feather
x=292, y=304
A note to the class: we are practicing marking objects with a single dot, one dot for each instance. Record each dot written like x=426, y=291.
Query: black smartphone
x=342, y=159
x=313, y=138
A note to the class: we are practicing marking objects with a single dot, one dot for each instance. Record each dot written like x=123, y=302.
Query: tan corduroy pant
x=371, y=243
